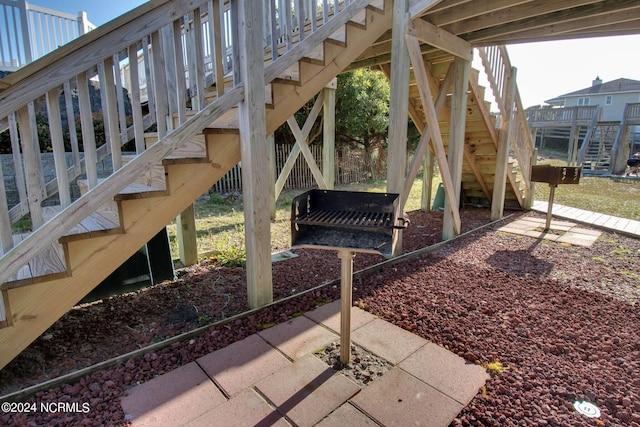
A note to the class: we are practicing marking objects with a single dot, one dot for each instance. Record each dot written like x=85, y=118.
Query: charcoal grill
x=358, y=221
x=554, y=175
x=348, y=222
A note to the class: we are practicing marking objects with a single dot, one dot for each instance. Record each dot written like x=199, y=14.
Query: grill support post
x=552, y=192
x=346, y=282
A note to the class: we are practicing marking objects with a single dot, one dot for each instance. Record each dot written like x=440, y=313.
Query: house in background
x=599, y=126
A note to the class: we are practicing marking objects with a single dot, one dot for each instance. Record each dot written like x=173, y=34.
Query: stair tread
x=92, y=223
x=48, y=264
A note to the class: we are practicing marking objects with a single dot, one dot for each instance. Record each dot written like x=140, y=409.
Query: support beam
x=423, y=144
x=302, y=142
x=186, y=236
x=398, y=107
x=434, y=36
x=253, y=149
x=427, y=182
x=422, y=78
x=329, y=134
x=271, y=153
x=457, y=122
x=502, y=156
x=301, y=138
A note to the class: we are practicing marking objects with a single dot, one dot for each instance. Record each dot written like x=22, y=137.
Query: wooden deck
x=612, y=223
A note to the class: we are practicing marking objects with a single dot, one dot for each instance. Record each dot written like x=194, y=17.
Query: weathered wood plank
x=31, y=155
x=427, y=101
x=253, y=148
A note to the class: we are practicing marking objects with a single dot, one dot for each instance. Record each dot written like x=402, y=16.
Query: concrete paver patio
x=274, y=378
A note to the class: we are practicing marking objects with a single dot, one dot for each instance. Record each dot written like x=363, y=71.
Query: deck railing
x=559, y=116
x=495, y=60
x=170, y=42
x=29, y=31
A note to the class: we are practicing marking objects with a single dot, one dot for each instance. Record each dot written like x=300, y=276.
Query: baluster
x=122, y=117
x=180, y=70
x=32, y=164
x=88, y=133
x=300, y=17
x=217, y=44
x=274, y=30
x=159, y=84
x=151, y=102
x=288, y=19
x=110, y=113
x=199, y=59
x=136, y=105
x=23, y=205
x=235, y=45
x=6, y=237
x=57, y=142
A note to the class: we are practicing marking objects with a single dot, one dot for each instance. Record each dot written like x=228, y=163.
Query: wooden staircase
x=88, y=239
x=598, y=153
x=97, y=245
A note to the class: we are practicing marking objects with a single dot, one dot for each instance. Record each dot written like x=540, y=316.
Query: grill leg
x=346, y=283
x=552, y=192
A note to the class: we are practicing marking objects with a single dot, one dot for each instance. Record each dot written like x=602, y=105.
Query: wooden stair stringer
x=288, y=98
x=90, y=261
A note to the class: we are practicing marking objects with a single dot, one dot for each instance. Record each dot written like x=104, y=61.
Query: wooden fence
x=352, y=165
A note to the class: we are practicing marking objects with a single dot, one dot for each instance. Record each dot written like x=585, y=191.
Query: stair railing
x=497, y=65
x=621, y=152
x=32, y=31
x=152, y=35
x=593, y=114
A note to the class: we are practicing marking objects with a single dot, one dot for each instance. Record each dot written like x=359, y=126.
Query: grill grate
x=339, y=218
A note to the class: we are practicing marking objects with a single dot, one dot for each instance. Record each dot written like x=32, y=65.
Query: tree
x=362, y=108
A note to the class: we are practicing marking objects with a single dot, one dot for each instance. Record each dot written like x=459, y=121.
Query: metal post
x=552, y=191
x=346, y=282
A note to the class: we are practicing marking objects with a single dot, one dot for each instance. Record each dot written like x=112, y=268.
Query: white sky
x=545, y=70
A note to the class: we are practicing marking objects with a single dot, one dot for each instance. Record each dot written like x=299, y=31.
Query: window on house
x=583, y=101
x=608, y=100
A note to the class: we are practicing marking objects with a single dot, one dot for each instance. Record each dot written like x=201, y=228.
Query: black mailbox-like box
x=332, y=219
x=555, y=175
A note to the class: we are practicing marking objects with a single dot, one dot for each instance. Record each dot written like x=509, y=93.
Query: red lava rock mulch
x=554, y=324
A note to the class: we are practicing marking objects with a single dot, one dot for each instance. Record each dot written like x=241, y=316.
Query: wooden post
x=456, y=139
x=427, y=181
x=398, y=107
x=502, y=156
x=271, y=154
x=329, y=134
x=253, y=148
x=186, y=236
x=346, y=282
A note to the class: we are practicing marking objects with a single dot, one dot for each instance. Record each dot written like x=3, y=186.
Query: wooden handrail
x=497, y=65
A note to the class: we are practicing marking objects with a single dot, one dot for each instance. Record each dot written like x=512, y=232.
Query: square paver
x=298, y=337
x=446, y=372
x=307, y=391
x=388, y=341
x=329, y=316
x=347, y=415
x=242, y=364
x=173, y=398
x=244, y=410
x=399, y=399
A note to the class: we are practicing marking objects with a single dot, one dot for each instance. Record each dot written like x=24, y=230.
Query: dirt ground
x=553, y=323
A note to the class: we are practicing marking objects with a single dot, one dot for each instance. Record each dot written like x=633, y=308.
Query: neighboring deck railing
x=29, y=31
x=153, y=34
x=498, y=68
x=566, y=116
